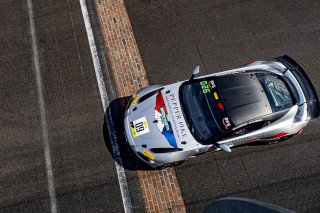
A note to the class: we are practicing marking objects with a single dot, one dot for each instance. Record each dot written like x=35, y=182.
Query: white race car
x=264, y=101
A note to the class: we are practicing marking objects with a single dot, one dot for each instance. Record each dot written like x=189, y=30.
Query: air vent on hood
x=165, y=150
x=145, y=97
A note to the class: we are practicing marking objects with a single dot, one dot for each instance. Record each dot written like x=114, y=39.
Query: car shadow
x=115, y=130
x=255, y=143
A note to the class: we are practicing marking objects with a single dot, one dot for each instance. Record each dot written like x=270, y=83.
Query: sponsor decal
x=212, y=84
x=163, y=124
x=164, y=119
x=221, y=108
x=216, y=97
x=239, y=141
x=133, y=131
x=148, y=154
x=135, y=99
x=226, y=123
x=176, y=117
x=139, y=127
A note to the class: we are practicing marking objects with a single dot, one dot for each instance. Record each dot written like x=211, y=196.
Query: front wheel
x=172, y=164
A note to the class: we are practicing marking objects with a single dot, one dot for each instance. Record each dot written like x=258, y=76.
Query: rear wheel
x=284, y=138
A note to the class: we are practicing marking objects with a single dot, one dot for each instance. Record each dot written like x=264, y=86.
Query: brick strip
x=160, y=189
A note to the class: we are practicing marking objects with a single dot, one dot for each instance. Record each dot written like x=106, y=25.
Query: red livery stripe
x=251, y=140
x=279, y=135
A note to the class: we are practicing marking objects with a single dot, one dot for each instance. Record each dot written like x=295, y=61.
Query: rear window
x=276, y=90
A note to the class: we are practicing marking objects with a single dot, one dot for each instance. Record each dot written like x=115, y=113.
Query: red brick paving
x=160, y=188
x=161, y=191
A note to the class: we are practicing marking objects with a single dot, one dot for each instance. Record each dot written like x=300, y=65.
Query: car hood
x=163, y=117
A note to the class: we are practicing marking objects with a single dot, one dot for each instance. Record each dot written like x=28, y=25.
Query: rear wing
x=310, y=94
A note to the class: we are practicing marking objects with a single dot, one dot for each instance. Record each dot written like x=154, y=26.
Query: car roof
x=243, y=97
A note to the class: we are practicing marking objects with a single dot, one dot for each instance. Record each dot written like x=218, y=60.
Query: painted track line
x=43, y=117
x=105, y=103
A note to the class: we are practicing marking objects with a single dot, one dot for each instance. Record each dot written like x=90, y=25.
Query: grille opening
x=165, y=150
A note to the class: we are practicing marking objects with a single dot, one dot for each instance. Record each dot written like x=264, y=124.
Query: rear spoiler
x=310, y=94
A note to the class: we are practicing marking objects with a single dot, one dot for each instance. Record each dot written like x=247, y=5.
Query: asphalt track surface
x=84, y=173
x=175, y=36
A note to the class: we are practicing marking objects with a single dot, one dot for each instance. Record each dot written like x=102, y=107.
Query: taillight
x=249, y=62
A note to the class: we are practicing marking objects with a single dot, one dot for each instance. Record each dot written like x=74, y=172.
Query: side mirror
x=195, y=72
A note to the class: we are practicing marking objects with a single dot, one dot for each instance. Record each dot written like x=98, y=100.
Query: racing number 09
x=139, y=127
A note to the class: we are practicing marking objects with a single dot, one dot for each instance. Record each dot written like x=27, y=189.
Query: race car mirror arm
x=195, y=72
x=223, y=147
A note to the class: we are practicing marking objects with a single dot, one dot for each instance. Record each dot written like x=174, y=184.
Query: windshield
x=203, y=109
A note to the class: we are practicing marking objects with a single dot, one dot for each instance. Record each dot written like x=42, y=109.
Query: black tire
x=284, y=138
x=173, y=164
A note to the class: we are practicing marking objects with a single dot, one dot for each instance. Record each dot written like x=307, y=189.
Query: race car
x=263, y=101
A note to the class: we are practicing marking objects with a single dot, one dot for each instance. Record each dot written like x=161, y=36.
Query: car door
x=246, y=133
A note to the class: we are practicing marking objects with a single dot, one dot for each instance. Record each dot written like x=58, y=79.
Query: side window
x=248, y=128
x=240, y=131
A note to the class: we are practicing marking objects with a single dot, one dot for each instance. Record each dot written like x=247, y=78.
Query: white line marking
x=46, y=145
x=105, y=103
